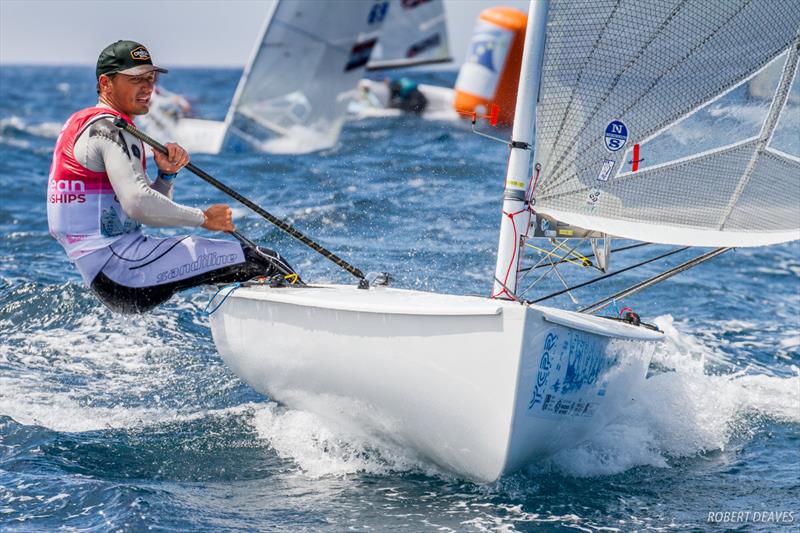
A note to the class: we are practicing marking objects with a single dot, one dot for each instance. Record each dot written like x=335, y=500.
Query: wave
x=15, y=124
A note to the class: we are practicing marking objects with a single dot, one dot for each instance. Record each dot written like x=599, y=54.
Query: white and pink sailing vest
x=82, y=211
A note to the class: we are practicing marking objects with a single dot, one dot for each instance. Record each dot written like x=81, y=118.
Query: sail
x=414, y=33
x=672, y=121
x=293, y=95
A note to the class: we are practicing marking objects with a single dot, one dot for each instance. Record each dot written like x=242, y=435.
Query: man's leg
x=148, y=271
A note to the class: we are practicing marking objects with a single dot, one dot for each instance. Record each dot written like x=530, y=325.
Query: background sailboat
x=304, y=71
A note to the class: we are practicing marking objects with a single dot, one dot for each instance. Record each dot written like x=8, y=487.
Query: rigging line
x=602, y=304
x=610, y=274
x=528, y=270
x=581, y=262
x=547, y=272
x=614, y=250
x=572, y=251
x=563, y=282
x=545, y=257
x=507, y=291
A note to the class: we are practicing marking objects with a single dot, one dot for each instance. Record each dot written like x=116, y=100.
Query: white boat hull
x=478, y=386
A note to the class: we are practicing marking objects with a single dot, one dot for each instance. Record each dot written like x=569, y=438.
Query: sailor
x=404, y=94
x=99, y=196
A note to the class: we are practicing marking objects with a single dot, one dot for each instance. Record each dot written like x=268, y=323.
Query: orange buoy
x=490, y=72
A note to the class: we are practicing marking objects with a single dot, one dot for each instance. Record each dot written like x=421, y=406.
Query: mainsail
x=326, y=50
x=655, y=122
x=414, y=33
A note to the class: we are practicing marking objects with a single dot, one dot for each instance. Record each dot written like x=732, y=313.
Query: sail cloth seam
x=778, y=103
x=568, y=107
x=657, y=80
x=674, y=234
x=781, y=155
x=556, y=173
x=261, y=122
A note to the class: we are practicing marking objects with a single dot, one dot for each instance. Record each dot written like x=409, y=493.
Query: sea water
x=133, y=423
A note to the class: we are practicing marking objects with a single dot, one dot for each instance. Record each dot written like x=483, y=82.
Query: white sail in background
x=326, y=51
x=414, y=33
x=649, y=126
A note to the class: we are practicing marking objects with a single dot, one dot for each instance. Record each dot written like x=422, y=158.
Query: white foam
x=104, y=371
x=684, y=412
x=321, y=448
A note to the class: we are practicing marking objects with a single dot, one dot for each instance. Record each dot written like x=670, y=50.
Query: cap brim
x=142, y=69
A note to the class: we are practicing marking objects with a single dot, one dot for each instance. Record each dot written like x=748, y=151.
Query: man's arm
x=104, y=147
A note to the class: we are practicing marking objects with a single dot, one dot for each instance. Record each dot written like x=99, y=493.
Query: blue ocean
x=133, y=423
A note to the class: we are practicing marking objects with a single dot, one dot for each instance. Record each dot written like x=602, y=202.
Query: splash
x=72, y=365
x=320, y=448
x=683, y=411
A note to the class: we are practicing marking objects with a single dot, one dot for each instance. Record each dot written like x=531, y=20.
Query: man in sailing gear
x=99, y=196
x=404, y=94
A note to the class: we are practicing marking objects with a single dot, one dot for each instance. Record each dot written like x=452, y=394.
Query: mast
x=516, y=215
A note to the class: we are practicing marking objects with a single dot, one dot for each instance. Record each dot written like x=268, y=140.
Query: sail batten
x=644, y=112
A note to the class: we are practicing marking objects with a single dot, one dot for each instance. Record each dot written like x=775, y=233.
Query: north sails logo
x=140, y=53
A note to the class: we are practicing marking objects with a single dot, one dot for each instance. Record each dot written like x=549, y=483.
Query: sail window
x=733, y=118
x=785, y=138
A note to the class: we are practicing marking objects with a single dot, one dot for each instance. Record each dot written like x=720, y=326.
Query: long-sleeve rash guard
x=101, y=148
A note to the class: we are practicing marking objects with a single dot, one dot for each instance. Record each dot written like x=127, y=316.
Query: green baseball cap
x=125, y=57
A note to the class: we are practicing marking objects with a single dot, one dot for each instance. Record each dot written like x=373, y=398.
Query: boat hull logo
x=616, y=136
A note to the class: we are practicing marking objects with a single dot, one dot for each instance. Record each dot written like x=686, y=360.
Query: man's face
x=131, y=94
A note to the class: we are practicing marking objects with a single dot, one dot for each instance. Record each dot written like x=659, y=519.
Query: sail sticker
x=593, y=199
x=636, y=159
x=616, y=136
x=359, y=55
x=605, y=172
x=378, y=13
